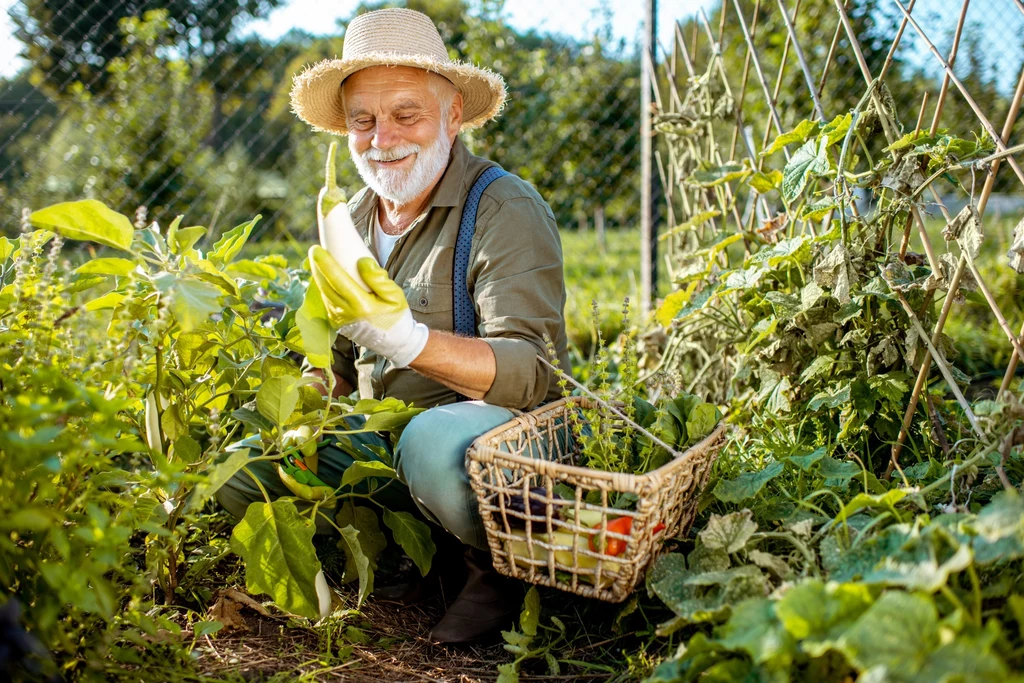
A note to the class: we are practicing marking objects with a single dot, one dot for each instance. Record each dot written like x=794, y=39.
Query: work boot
x=488, y=602
x=446, y=576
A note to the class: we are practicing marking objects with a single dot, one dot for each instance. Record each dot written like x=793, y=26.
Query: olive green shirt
x=515, y=279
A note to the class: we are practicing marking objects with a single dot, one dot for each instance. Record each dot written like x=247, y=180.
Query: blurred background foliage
x=171, y=104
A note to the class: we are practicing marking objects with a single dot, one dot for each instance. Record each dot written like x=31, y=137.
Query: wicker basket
x=525, y=459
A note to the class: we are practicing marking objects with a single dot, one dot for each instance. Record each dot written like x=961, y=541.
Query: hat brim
x=316, y=92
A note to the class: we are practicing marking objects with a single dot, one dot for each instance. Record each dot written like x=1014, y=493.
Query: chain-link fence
x=174, y=105
x=183, y=112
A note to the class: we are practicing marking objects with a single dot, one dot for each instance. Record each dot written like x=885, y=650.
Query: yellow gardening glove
x=379, y=320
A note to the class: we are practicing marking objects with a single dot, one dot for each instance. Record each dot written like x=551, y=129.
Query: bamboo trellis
x=740, y=146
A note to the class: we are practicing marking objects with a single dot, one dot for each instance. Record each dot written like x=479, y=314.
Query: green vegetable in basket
x=563, y=544
x=701, y=421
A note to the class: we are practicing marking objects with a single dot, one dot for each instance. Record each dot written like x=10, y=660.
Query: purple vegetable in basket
x=538, y=507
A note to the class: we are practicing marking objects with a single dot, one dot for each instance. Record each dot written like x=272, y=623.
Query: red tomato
x=613, y=546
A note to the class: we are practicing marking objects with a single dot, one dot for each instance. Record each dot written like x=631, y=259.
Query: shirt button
x=423, y=301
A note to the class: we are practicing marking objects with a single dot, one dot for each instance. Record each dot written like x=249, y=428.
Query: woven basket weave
x=528, y=456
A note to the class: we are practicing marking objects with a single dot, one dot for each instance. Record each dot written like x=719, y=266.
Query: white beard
x=402, y=186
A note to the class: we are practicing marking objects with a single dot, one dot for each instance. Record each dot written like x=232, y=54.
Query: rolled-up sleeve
x=519, y=287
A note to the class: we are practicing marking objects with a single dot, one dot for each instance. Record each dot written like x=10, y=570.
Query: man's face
x=398, y=135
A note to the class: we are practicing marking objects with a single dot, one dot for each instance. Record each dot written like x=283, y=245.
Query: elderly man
x=470, y=264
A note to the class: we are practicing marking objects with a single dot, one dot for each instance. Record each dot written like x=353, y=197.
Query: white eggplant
x=153, y=439
x=338, y=234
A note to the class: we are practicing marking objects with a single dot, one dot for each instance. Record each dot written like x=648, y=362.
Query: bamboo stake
x=757, y=67
x=736, y=133
x=777, y=90
x=943, y=91
x=943, y=365
x=865, y=71
x=800, y=58
x=831, y=54
x=905, y=242
x=954, y=284
x=895, y=43
x=989, y=128
x=1011, y=367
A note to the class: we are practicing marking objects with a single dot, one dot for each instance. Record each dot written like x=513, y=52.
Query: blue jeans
x=430, y=459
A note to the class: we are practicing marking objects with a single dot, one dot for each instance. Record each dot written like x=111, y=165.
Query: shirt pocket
x=431, y=304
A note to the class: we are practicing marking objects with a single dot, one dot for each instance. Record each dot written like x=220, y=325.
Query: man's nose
x=385, y=136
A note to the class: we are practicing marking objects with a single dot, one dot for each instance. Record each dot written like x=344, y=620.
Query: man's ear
x=454, y=121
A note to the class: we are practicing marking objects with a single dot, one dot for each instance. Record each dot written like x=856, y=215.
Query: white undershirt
x=385, y=242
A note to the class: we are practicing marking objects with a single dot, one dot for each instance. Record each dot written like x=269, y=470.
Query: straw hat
x=392, y=37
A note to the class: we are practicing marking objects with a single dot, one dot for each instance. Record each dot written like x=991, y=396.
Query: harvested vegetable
x=338, y=234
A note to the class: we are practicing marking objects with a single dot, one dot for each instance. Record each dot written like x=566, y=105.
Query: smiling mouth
x=392, y=162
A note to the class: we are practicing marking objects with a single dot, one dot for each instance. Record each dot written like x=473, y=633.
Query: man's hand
x=379, y=320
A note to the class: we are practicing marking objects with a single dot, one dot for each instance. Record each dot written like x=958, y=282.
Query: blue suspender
x=465, y=310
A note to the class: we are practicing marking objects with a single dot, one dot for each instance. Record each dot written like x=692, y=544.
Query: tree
x=75, y=40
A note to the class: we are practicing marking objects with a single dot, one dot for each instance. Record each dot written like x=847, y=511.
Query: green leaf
x=718, y=176
x=228, y=246
x=361, y=469
x=507, y=673
x=106, y=266
x=964, y=660
x=746, y=485
x=830, y=398
x=186, y=238
x=818, y=367
x=830, y=468
x=890, y=386
x=765, y=182
x=187, y=449
x=27, y=520
x=276, y=543
x=252, y=270
x=88, y=220
x=216, y=476
x=817, y=210
x=357, y=558
x=897, y=633
x=816, y=613
x=808, y=161
x=693, y=222
x=414, y=537
x=795, y=249
x=754, y=629
x=866, y=500
x=729, y=532
x=835, y=130
x=372, y=541
x=277, y=398
x=108, y=300
x=798, y=134
x=909, y=140
x=774, y=392
x=804, y=462
x=6, y=249
x=206, y=628
x=529, y=620
x=193, y=301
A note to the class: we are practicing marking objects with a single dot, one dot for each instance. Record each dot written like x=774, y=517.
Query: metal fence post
x=648, y=191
